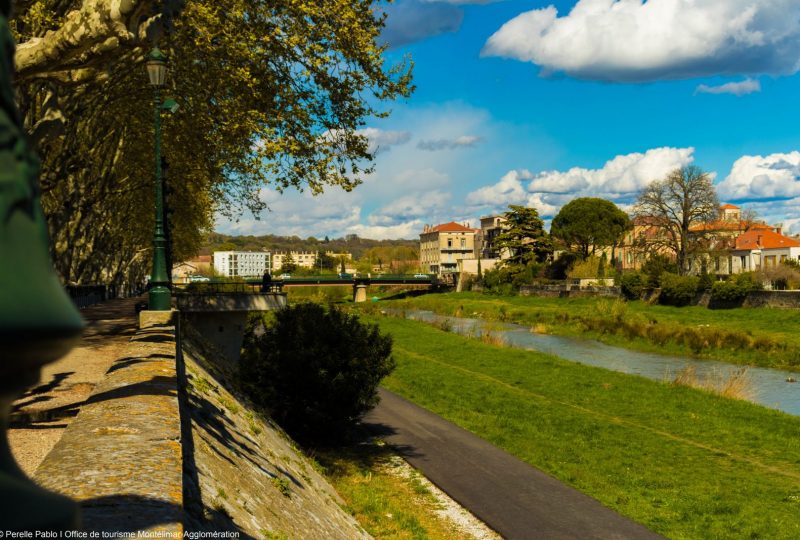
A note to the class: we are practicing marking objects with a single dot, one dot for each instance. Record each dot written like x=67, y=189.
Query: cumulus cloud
x=762, y=177
x=619, y=180
x=409, y=21
x=636, y=41
x=464, y=141
x=508, y=190
x=742, y=88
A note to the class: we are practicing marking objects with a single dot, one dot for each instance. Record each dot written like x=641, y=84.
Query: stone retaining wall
x=121, y=457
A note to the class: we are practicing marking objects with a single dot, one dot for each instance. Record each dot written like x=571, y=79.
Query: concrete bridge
x=358, y=283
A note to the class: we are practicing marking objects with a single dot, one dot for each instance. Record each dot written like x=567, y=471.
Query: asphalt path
x=513, y=498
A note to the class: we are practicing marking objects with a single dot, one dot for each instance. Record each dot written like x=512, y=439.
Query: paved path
x=39, y=416
x=513, y=498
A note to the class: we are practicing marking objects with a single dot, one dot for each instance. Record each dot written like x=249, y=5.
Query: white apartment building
x=241, y=263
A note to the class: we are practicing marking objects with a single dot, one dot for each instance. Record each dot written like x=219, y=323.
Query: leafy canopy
x=272, y=95
x=523, y=237
x=588, y=223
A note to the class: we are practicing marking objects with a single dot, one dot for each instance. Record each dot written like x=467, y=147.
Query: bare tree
x=686, y=197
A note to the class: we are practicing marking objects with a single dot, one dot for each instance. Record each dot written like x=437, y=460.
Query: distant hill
x=358, y=247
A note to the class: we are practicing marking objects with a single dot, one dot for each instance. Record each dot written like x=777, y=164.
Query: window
x=463, y=243
x=449, y=242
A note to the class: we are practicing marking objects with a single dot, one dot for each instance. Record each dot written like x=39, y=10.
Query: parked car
x=345, y=275
x=422, y=275
x=198, y=279
x=285, y=276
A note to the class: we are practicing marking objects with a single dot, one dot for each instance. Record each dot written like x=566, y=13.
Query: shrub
x=315, y=370
x=734, y=291
x=677, y=290
x=632, y=285
x=655, y=266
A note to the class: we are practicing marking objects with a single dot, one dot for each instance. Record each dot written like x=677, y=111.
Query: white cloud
x=508, y=190
x=635, y=41
x=414, y=205
x=409, y=229
x=464, y=141
x=619, y=180
x=380, y=140
x=742, y=88
x=763, y=177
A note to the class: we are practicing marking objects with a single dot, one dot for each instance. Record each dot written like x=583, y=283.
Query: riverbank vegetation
x=760, y=337
x=683, y=462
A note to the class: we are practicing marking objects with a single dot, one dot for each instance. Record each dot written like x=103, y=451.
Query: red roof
x=450, y=227
x=728, y=226
x=201, y=259
x=729, y=207
x=764, y=239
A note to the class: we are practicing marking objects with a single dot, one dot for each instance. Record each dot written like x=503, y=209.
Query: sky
x=537, y=102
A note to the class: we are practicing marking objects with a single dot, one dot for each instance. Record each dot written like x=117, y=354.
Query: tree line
x=271, y=94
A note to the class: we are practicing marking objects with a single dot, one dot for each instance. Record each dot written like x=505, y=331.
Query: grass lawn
x=385, y=501
x=756, y=336
x=685, y=463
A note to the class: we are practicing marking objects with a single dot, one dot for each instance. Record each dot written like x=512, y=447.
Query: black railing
x=84, y=296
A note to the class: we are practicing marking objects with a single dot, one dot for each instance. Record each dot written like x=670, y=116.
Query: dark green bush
x=735, y=290
x=315, y=370
x=632, y=285
x=655, y=266
x=677, y=290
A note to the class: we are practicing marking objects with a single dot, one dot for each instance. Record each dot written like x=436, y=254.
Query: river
x=769, y=387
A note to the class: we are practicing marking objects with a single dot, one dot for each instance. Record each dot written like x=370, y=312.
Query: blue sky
x=535, y=103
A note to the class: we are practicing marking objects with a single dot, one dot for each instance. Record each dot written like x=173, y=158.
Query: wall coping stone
x=121, y=457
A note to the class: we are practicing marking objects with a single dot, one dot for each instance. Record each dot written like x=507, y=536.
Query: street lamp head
x=157, y=68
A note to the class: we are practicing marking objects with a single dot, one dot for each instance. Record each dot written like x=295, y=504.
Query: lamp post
x=159, y=299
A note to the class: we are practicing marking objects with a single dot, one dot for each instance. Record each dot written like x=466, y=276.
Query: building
x=241, y=263
x=442, y=246
x=759, y=249
x=491, y=226
x=302, y=259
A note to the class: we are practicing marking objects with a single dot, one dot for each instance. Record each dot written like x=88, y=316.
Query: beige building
x=491, y=226
x=442, y=246
x=302, y=259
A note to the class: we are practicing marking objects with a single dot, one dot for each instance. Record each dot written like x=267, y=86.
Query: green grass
x=753, y=336
x=683, y=462
x=386, y=504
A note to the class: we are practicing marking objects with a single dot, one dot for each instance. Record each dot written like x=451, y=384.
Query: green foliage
x=587, y=268
x=589, y=223
x=315, y=370
x=271, y=94
x=524, y=237
x=601, y=266
x=559, y=268
x=506, y=280
x=706, y=281
x=732, y=292
x=655, y=266
x=678, y=290
x=633, y=285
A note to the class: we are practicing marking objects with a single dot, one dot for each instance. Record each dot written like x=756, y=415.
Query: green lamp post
x=38, y=322
x=159, y=299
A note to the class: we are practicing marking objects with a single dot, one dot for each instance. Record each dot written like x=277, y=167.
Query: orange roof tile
x=764, y=239
x=450, y=227
x=729, y=207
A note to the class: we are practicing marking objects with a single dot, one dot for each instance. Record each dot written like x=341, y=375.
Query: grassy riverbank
x=757, y=336
x=387, y=497
x=685, y=463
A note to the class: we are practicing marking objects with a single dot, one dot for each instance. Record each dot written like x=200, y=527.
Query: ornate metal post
x=38, y=322
x=159, y=281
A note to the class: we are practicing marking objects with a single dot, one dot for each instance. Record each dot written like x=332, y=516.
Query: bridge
x=358, y=283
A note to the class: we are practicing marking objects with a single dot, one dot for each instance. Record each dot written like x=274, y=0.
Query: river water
x=769, y=386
